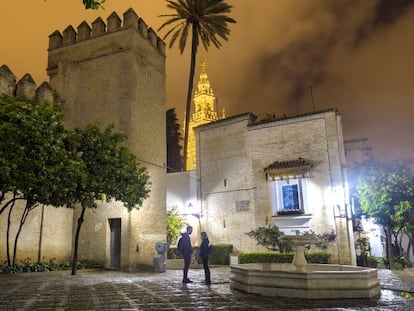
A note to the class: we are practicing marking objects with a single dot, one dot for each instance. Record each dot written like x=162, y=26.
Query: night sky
x=353, y=55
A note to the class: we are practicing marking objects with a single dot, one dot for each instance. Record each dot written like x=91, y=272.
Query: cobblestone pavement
x=113, y=290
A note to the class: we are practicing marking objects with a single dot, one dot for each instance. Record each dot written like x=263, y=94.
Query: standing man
x=184, y=246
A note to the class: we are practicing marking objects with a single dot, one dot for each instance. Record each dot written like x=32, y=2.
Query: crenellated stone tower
x=204, y=112
x=114, y=72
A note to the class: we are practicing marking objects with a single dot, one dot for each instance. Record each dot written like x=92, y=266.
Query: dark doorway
x=115, y=243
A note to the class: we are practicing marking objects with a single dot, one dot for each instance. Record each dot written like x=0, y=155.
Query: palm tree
x=207, y=21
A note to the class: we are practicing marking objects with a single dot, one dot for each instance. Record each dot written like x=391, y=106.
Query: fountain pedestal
x=299, y=241
x=299, y=260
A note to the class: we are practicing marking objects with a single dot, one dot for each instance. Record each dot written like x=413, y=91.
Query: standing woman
x=204, y=254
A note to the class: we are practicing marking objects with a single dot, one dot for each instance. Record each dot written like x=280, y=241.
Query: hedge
x=220, y=254
x=316, y=257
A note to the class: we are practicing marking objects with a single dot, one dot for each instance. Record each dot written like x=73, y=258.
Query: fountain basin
x=319, y=281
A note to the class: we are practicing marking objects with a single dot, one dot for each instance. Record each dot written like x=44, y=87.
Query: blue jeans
x=206, y=269
x=187, y=262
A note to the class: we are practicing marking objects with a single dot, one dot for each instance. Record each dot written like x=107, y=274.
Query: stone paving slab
x=113, y=290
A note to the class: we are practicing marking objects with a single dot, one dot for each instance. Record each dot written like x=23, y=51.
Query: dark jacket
x=184, y=244
x=204, y=248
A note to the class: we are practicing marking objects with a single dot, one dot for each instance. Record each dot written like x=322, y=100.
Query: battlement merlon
x=25, y=88
x=114, y=27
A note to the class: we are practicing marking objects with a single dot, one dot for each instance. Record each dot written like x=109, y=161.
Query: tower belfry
x=204, y=112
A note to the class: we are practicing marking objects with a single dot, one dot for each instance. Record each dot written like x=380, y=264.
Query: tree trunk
x=390, y=253
x=8, y=233
x=190, y=91
x=39, y=251
x=11, y=201
x=412, y=242
x=409, y=246
x=75, y=251
x=26, y=212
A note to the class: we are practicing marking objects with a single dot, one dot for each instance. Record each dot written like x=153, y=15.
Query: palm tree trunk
x=190, y=91
x=75, y=251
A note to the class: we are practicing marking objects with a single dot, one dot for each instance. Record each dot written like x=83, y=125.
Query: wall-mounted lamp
x=267, y=220
x=224, y=223
x=196, y=215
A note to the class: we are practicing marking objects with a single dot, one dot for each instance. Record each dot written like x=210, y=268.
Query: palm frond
x=207, y=21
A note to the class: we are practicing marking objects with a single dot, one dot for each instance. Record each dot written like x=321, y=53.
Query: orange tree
x=110, y=172
x=385, y=191
x=34, y=163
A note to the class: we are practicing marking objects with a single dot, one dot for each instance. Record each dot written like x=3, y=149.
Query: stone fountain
x=302, y=280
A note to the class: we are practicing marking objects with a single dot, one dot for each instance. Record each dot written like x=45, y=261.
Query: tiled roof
x=279, y=167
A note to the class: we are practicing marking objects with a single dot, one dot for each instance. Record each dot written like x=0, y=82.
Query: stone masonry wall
x=226, y=177
x=115, y=73
x=233, y=153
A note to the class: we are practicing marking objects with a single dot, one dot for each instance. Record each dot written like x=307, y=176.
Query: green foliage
x=362, y=244
x=269, y=238
x=110, y=171
x=318, y=257
x=220, y=254
x=363, y=253
x=265, y=257
x=27, y=265
x=365, y=260
x=34, y=162
x=174, y=224
x=386, y=192
x=323, y=239
x=173, y=253
x=93, y=4
x=35, y=165
x=261, y=257
x=43, y=163
x=205, y=21
x=401, y=262
x=174, y=158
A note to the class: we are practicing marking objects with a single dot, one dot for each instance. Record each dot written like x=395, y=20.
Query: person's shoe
x=187, y=281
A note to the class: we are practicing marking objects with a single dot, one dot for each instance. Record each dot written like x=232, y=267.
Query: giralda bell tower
x=204, y=112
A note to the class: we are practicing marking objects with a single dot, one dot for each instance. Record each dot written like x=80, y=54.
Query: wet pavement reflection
x=113, y=290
